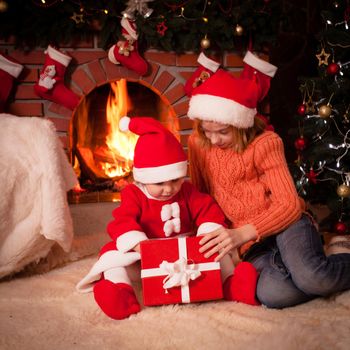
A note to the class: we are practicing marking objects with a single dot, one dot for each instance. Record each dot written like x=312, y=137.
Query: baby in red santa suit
x=159, y=204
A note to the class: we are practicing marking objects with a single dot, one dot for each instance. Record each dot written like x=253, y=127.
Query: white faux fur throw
x=45, y=312
x=35, y=176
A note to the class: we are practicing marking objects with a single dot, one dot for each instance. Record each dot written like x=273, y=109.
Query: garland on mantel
x=169, y=25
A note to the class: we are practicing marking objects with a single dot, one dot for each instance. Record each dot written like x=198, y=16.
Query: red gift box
x=174, y=271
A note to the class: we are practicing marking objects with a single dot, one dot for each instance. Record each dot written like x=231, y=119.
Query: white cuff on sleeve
x=129, y=240
x=207, y=227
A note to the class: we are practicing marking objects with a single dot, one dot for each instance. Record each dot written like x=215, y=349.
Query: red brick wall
x=91, y=68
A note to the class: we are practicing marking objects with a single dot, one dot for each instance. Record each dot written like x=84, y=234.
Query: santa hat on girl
x=225, y=99
x=158, y=155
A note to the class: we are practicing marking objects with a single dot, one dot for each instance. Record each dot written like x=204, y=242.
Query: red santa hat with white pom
x=226, y=99
x=158, y=155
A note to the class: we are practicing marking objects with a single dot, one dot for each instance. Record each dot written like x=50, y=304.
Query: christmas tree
x=321, y=169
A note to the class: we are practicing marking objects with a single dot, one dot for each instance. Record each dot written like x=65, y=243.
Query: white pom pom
x=124, y=124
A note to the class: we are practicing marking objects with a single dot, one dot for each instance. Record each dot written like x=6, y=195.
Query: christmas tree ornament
x=310, y=106
x=312, y=176
x=323, y=57
x=140, y=6
x=343, y=191
x=10, y=69
x=77, y=18
x=161, y=28
x=325, y=111
x=125, y=52
x=238, y=31
x=333, y=68
x=300, y=143
x=301, y=109
x=340, y=227
x=50, y=85
x=205, y=43
x=3, y=6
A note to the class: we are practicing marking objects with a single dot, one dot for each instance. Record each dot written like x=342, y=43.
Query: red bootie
x=241, y=286
x=207, y=67
x=51, y=82
x=116, y=300
x=9, y=71
x=125, y=51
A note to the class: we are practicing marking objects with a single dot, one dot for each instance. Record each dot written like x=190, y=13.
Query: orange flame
x=120, y=144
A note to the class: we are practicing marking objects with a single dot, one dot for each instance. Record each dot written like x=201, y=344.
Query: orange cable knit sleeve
x=285, y=206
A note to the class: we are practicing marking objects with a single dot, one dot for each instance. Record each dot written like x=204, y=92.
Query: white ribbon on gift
x=180, y=273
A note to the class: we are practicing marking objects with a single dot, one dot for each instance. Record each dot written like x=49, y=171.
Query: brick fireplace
x=90, y=69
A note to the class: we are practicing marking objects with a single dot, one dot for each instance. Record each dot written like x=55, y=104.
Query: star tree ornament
x=140, y=6
x=323, y=57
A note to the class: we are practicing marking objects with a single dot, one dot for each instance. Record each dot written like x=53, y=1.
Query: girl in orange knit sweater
x=242, y=165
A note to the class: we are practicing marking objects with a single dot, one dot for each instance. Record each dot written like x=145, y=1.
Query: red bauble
x=300, y=143
x=302, y=109
x=333, y=69
x=340, y=228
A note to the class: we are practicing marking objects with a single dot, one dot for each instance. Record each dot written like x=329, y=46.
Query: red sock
x=241, y=286
x=116, y=300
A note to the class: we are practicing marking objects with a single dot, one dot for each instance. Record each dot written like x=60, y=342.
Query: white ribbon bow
x=179, y=273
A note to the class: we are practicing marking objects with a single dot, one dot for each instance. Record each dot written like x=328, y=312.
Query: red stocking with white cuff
x=9, y=71
x=205, y=70
x=125, y=52
x=50, y=85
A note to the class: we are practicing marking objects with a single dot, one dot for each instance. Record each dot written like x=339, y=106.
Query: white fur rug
x=45, y=312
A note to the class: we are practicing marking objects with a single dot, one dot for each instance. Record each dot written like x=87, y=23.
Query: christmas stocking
x=203, y=72
x=125, y=51
x=9, y=70
x=50, y=85
x=241, y=286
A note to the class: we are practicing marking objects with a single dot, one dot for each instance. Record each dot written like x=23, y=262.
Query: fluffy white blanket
x=35, y=176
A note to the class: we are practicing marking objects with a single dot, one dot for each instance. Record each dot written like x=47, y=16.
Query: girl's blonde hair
x=241, y=137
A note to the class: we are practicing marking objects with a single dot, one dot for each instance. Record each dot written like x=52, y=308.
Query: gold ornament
x=238, y=30
x=3, y=6
x=343, y=191
x=325, y=111
x=205, y=43
x=323, y=57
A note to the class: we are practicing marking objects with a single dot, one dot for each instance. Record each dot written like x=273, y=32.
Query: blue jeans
x=294, y=269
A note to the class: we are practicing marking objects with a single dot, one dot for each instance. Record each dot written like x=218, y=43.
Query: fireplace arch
x=102, y=155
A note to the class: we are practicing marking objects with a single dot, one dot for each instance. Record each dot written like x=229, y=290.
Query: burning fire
x=120, y=144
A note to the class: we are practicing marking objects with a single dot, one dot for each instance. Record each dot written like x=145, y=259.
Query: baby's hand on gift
x=223, y=240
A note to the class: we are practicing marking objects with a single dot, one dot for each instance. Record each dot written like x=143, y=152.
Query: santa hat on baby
x=158, y=155
x=225, y=99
